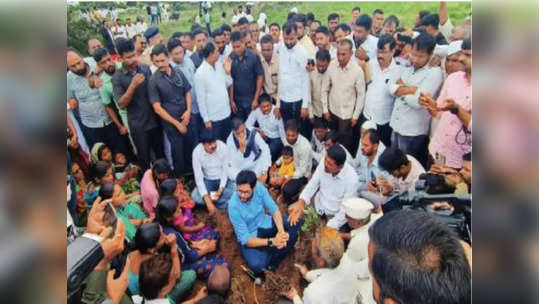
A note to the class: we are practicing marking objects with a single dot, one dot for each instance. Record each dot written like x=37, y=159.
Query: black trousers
x=192, y=140
x=177, y=146
x=110, y=136
x=384, y=132
x=292, y=189
x=221, y=129
x=345, y=129
x=146, y=142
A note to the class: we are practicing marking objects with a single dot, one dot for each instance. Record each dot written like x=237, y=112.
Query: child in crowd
x=184, y=219
x=283, y=170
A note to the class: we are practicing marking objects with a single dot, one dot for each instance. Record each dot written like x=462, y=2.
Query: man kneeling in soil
x=264, y=234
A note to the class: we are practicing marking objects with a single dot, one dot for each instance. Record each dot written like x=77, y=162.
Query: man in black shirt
x=248, y=77
x=130, y=88
x=170, y=96
x=431, y=23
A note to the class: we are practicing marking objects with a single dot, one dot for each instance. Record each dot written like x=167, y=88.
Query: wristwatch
x=454, y=110
x=270, y=242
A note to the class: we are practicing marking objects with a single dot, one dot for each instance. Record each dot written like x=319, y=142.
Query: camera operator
x=461, y=179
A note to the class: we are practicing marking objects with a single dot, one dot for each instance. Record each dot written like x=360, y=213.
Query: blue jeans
x=266, y=258
x=275, y=146
x=417, y=146
x=213, y=185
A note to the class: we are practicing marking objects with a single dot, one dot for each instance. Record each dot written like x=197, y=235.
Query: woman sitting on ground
x=151, y=183
x=150, y=241
x=184, y=219
x=126, y=209
x=197, y=255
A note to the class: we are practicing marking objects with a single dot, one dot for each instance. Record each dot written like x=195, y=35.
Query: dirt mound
x=243, y=289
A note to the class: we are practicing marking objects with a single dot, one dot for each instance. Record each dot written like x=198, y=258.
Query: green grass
x=277, y=12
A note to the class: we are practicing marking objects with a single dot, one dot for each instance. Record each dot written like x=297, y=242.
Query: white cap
x=454, y=47
x=294, y=10
x=357, y=208
x=369, y=124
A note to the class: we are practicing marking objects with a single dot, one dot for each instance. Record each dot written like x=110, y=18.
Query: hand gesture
x=113, y=246
x=233, y=106
x=116, y=287
x=277, y=112
x=448, y=105
x=73, y=104
x=290, y=294
x=227, y=65
x=201, y=294
x=170, y=240
x=254, y=104
x=181, y=128
x=122, y=130
x=295, y=211
x=186, y=118
x=427, y=102
x=95, y=217
x=385, y=185
x=304, y=113
x=138, y=79
x=302, y=269
x=280, y=240
x=435, y=61
x=371, y=186
x=211, y=208
x=327, y=116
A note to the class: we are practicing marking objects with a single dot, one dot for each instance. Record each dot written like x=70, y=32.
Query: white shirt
x=293, y=77
x=228, y=49
x=268, y=123
x=210, y=166
x=378, y=100
x=409, y=118
x=331, y=192
x=302, y=155
x=350, y=281
x=118, y=31
x=131, y=30
x=236, y=161
x=141, y=27
x=211, y=85
x=317, y=147
x=408, y=184
x=370, y=45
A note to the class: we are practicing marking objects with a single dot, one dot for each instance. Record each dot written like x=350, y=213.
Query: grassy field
x=277, y=12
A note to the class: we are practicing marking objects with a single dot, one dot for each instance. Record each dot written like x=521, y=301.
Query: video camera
x=458, y=219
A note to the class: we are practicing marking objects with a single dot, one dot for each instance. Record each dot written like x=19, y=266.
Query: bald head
x=75, y=63
x=93, y=44
x=219, y=280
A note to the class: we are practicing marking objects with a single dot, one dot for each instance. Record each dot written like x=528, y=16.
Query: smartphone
x=310, y=61
x=439, y=159
x=373, y=179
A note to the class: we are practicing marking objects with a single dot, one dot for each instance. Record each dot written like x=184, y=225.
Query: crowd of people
x=338, y=117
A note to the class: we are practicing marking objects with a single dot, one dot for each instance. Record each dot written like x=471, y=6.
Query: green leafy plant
x=312, y=220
